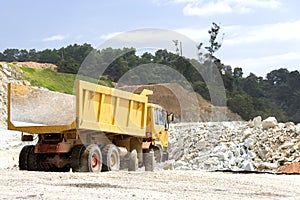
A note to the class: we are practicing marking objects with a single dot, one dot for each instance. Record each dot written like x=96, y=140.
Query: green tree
x=242, y=104
x=146, y=58
x=23, y=55
x=48, y=56
x=237, y=78
x=32, y=56
x=213, y=46
x=251, y=86
x=11, y=55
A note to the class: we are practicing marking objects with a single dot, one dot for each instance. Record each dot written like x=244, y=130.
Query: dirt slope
x=37, y=65
x=187, y=105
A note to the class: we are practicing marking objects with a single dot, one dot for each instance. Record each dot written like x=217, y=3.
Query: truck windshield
x=160, y=117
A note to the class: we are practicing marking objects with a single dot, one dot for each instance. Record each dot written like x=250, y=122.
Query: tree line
x=278, y=94
x=68, y=59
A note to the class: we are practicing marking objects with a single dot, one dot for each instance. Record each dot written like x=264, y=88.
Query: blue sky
x=260, y=35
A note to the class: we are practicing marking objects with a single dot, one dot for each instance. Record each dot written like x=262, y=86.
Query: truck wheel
x=165, y=156
x=75, y=157
x=32, y=164
x=149, y=161
x=133, y=164
x=91, y=159
x=110, y=158
x=158, y=154
x=23, y=158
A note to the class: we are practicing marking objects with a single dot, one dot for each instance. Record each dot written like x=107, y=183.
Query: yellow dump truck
x=98, y=129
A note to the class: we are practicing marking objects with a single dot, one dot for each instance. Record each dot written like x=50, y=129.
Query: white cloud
x=270, y=4
x=278, y=32
x=263, y=65
x=144, y=36
x=58, y=37
x=209, y=8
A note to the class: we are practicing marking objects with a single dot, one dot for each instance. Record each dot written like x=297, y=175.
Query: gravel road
x=161, y=184
x=171, y=184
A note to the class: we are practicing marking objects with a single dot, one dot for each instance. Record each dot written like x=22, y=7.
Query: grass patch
x=55, y=81
x=50, y=79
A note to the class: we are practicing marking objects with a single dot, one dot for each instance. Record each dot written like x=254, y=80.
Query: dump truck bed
x=35, y=110
x=95, y=107
x=110, y=110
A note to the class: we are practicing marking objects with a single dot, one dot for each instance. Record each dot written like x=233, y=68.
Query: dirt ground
x=15, y=184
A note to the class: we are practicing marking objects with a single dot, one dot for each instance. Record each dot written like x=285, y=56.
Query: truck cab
x=157, y=127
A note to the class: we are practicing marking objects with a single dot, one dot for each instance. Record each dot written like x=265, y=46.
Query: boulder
x=247, y=133
x=249, y=143
x=257, y=122
x=270, y=122
x=297, y=129
x=248, y=166
x=179, y=164
x=168, y=166
x=287, y=145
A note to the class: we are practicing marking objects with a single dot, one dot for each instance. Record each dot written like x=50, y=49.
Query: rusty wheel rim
x=95, y=164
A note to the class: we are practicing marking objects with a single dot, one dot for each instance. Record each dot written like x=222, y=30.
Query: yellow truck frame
x=102, y=129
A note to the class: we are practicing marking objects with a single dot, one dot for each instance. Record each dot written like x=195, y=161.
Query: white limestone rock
x=270, y=122
x=257, y=122
x=248, y=166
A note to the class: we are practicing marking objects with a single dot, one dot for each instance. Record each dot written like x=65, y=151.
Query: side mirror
x=171, y=117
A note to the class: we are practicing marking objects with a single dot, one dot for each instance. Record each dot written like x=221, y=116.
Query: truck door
x=160, y=127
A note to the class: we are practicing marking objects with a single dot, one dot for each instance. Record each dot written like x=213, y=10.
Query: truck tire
x=110, y=158
x=149, y=161
x=32, y=164
x=158, y=154
x=23, y=158
x=165, y=156
x=133, y=163
x=76, y=157
x=91, y=159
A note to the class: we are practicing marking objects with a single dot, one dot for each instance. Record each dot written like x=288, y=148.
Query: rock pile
x=8, y=74
x=251, y=146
